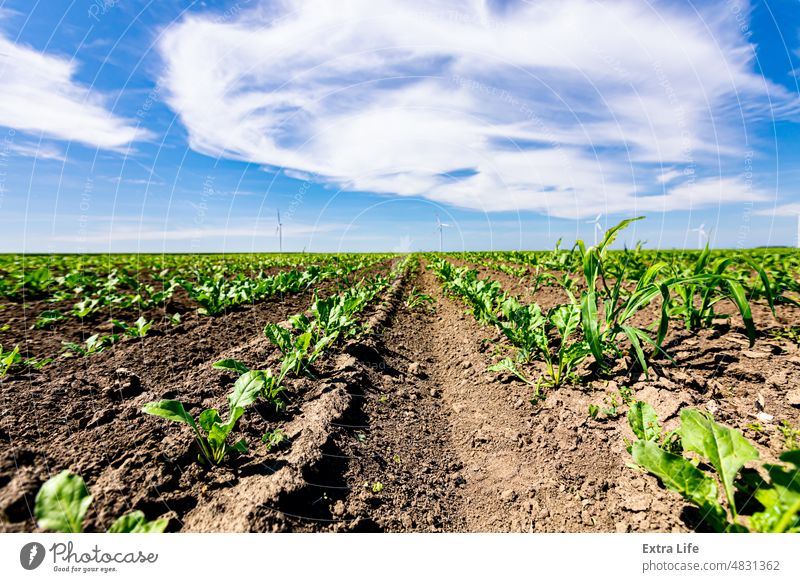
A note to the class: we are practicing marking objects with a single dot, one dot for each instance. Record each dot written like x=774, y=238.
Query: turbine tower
x=440, y=226
x=701, y=235
x=597, y=227
x=279, y=232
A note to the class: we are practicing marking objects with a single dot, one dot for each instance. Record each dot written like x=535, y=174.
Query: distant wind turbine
x=279, y=232
x=440, y=226
x=597, y=227
x=702, y=235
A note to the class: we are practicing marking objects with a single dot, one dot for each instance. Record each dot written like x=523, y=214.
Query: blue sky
x=184, y=126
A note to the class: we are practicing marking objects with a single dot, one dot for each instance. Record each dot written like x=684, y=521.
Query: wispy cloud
x=792, y=209
x=43, y=151
x=569, y=108
x=39, y=96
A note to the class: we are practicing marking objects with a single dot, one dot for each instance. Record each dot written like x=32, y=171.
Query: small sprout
x=48, y=317
x=139, y=328
x=594, y=410
x=377, y=487
x=791, y=435
x=396, y=458
x=274, y=438
x=360, y=437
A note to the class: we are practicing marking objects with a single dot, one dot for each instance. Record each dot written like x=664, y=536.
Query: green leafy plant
x=725, y=451
x=791, y=435
x=299, y=351
x=86, y=307
x=62, y=503
x=8, y=360
x=417, y=299
x=92, y=345
x=271, y=385
x=139, y=328
x=48, y=317
x=210, y=431
x=274, y=438
x=707, y=285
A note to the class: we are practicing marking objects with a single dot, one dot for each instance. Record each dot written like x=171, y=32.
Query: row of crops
x=134, y=292
x=620, y=304
x=64, y=500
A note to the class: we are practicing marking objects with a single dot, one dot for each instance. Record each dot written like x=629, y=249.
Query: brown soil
x=403, y=429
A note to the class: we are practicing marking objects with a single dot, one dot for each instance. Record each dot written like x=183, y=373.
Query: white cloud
x=39, y=96
x=43, y=151
x=792, y=209
x=566, y=108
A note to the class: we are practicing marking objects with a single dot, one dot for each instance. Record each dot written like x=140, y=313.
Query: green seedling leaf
x=247, y=388
x=633, y=337
x=135, y=522
x=171, y=410
x=725, y=448
x=62, y=503
x=740, y=299
x=590, y=328
x=643, y=421
x=679, y=475
x=231, y=364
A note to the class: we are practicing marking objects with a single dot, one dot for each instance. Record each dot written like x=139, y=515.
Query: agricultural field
x=573, y=390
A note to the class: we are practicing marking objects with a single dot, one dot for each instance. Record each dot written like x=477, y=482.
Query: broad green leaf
x=62, y=503
x=643, y=421
x=135, y=522
x=247, y=388
x=780, y=498
x=171, y=410
x=679, y=475
x=208, y=418
x=725, y=448
x=231, y=364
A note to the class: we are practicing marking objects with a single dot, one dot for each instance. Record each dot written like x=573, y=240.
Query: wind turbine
x=701, y=234
x=597, y=227
x=279, y=232
x=440, y=226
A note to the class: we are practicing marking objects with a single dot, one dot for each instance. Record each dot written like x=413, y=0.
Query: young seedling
x=725, y=452
x=93, y=345
x=274, y=438
x=62, y=503
x=210, y=431
x=791, y=435
x=139, y=328
x=48, y=318
x=272, y=387
x=418, y=299
x=8, y=360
